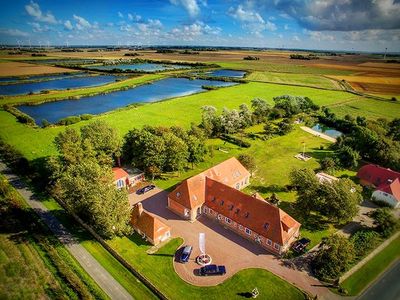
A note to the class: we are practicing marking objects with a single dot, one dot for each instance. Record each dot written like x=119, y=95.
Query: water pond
x=332, y=132
x=39, y=77
x=147, y=67
x=227, y=73
x=56, y=84
x=158, y=90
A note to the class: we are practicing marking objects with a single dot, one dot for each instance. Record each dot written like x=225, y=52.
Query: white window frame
x=269, y=242
x=240, y=227
x=220, y=217
x=277, y=246
x=248, y=231
x=227, y=220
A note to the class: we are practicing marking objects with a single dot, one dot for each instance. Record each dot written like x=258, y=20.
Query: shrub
x=45, y=123
x=69, y=120
x=85, y=117
x=364, y=241
x=385, y=221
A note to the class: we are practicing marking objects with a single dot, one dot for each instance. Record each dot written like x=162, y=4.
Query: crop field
x=13, y=68
x=292, y=78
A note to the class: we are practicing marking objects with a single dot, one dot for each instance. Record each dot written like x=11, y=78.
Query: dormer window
x=222, y=203
x=237, y=211
x=231, y=207
x=266, y=226
x=246, y=215
x=213, y=199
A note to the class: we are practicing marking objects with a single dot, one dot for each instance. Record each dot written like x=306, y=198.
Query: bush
x=85, y=117
x=385, y=221
x=45, y=123
x=234, y=140
x=21, y=117
x=364, y=241
x=69, y=120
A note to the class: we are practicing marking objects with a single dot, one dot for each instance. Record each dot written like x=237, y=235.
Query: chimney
x=139, y=208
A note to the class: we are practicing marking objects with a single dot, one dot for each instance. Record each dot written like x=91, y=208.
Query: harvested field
x=13, y=68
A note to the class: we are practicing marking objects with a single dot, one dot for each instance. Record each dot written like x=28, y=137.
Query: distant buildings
x=385, y=181
x=127, y=177
x=216, y=194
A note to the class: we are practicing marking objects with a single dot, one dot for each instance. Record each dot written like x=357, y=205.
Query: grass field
x=13, y=68
x=289, y=78
x=358, y=281
x=33, y=263
x=159, y=269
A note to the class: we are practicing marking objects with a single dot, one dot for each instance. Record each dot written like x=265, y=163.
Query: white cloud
x=36, y=27
x=68, y=25
x=296, y=38
x=14, y=32
x=33, y=9
x=134, y=17
x=120, y=15
x=190, y=32
x=81, y=23
x=251, y=20
x=191, y=6
x=320, y=36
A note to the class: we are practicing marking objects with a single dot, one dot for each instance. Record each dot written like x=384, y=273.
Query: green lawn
x=292, y=78
x=358, y=281
x=158, y=268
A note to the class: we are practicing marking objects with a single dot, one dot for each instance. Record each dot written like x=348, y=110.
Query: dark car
x=301, y=245
x=185, y=254
x=145, y=189
x=212, y=270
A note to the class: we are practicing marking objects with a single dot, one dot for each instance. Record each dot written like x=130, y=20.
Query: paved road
x=106, y=282
x=387, y=287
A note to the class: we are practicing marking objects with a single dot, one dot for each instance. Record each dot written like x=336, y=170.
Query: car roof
x=187, y=248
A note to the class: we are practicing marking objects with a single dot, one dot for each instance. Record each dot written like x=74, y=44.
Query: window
x=227, y=220
x=237, y=210
x=240, y=227
x=276, y=246
x=266, y=226
x=186, y=212
x=178, y=194
x=248, y=231
x=205, y=210
x=219, y=217
x=120, y=183
x=258, y=239
x=269, y=242
x=231, y=207
x=222, y=203
x=237, y=186
x=213, y=199
x=246, y=215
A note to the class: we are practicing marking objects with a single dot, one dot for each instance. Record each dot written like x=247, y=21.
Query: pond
x=158, y=90
x=56, y=84
x=332, y=132
x=39, y=77
x=227, y=73
x=147, y=67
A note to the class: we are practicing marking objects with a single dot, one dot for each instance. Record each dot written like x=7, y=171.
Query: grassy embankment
x=358, y=281
x=33, y=263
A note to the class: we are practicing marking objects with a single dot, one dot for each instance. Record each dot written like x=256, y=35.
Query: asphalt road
x=106, y=282
x=387, y=286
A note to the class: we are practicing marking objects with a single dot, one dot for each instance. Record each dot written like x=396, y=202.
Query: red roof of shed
x=377, y=175
x=119, y=173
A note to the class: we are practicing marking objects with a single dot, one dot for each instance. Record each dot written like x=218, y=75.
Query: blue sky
x=366, y=25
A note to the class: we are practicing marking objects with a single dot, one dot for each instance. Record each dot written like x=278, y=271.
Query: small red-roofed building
x=385, y=181
x=121, y=178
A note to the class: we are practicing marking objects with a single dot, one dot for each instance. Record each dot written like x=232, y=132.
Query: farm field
x=12, y=68
x=289, y=78
x=33, y=263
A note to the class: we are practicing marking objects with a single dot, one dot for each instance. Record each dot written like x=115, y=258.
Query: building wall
x=241, y=230
x=241, y=184
x=385, y=197
x=179, y=209
x=120, y=183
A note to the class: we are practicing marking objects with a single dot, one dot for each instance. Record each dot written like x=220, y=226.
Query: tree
x=269, y=128
x=348, y=157
x=361, y=121
x=284, y=127
x=197, y=150
x=307, y=186
x=260, y=110
x=230, y=121
x=341, y=199
x=209, y=120
x=328, y=164
x=176, y=152
x=87, y=189
x=248, y=162
x=385, y=221
x=69, y=146
x=335, y=257
x=245, y=115
x=394, y=129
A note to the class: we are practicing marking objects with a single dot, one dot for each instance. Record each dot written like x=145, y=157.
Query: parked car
x=301, y=245
x=145, y=189
x=185, y=254
x=212, y=270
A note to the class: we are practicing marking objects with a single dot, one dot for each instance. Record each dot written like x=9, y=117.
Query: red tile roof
x=377, y=175
x=258, y=215
x=191, y=192
x=119, y=173
x=151, y=226
x=392, y=188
